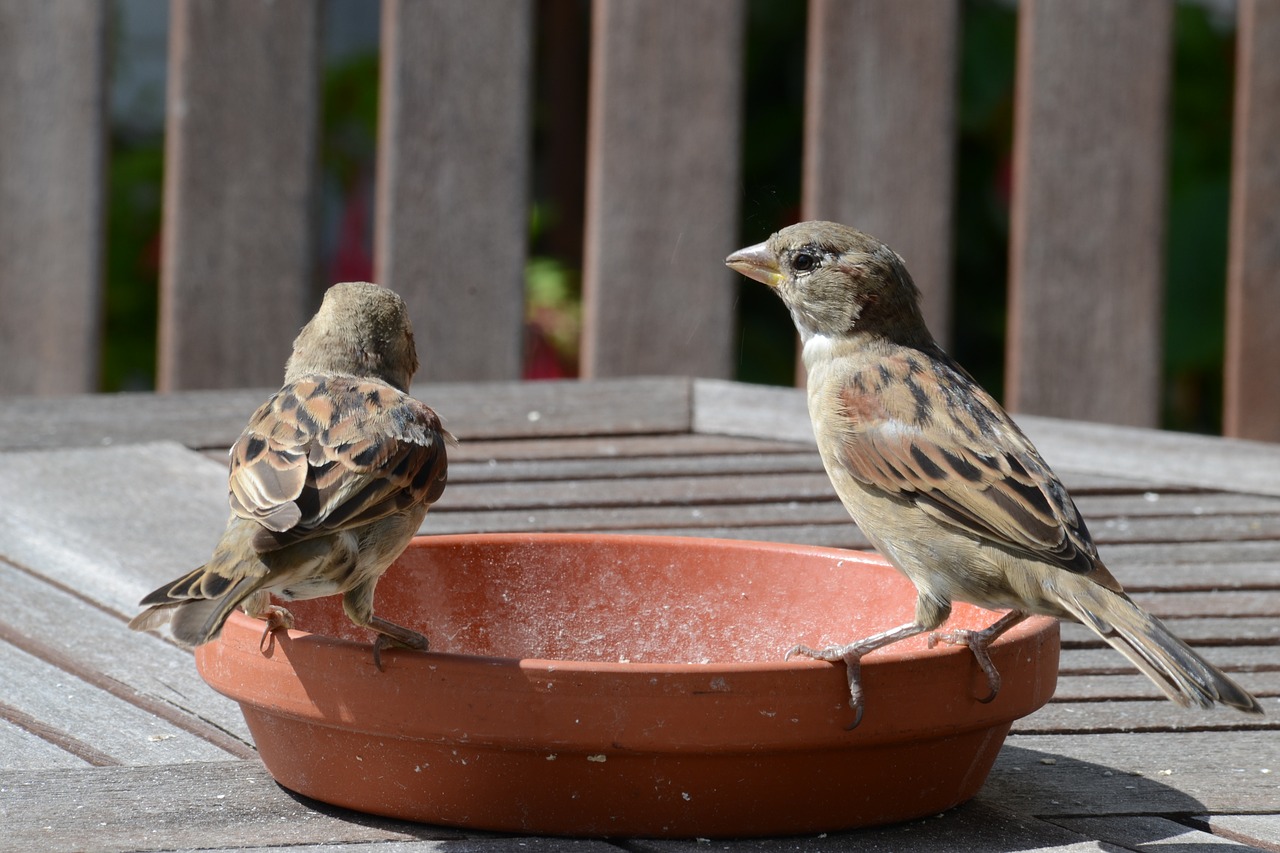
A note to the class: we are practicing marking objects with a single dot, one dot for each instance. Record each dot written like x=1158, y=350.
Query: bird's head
x=361, y=330
x=836, y=281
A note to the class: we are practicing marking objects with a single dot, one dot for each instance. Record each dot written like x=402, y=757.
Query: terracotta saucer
x=628, y=685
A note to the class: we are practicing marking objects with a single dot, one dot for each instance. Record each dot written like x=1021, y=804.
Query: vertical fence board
x=1087, y=249
x=880, y=130
x=52, y=182
x=662, y=184
x=453, y=165
x=1252, y=405
x=240, y=190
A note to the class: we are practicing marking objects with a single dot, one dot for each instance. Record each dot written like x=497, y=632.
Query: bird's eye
x=803, y=262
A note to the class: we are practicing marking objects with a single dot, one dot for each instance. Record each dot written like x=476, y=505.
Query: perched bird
x=938, y=476
x=328, y=482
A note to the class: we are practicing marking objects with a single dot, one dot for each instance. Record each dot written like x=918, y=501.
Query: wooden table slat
x=1260, y=829
x=1095, y=688
x=1228, y=630
x=24, y=750
x=143, y=513
x=86, y=714
x=1159, y=773
x=1229, y=658
x=1146, y=833
x=1142, y=715
x=92, y=645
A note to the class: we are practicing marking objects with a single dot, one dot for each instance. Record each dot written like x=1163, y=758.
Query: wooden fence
x=662, y=174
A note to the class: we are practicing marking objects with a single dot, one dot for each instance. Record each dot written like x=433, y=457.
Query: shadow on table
x=1006, y=816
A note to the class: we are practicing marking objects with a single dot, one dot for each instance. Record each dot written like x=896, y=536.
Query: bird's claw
x=977, y=641
x=410, y=640
x=831, y=654
x=851, y=655
x=276, y=619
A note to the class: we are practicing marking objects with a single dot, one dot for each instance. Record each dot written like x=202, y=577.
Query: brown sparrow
x=938, y=476
x=328, y=482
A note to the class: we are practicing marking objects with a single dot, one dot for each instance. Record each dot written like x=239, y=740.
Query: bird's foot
x=852, y=657
x=831, y=654
x=277, y=619
x=978, y=643
x=392, y=635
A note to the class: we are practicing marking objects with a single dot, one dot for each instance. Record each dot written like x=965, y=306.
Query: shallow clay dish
x=628, y=685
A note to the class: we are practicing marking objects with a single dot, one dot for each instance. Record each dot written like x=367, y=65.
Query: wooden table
x=109, y=739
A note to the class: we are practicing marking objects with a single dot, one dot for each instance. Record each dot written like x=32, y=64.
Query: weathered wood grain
x=744, y=465
x=1226, y=603
x=20, y=749
x=481, y=411
x=53, y=145
x=240, y=190
x=1194, y=555
x=561, y=408
x=1260, y=829
x=1197, y=460
x=841, y=535
x=1251, y=406
x=144, y=670
x=143, y=514
x=880, y=131
x=662, y=176
x=481, y=844
x=1148, y=833
x=453, y=172
x=75, y=709
x=1191, y=528
x=1096, y=688
x=595, y=416
x=807, y=498
x=1117, y=774
x=1143, y=715
x=1152, y=457
x=1228, y=630
x=178, y=806
x=1211, y=574
x=758, y=411
x=643, y=491
x=606, y=447
x=54, y=736
x=716, y=520
x=1086, y=256
x=974, y=826
x=691, y=454
x=1172, y=505
x=1230, y=658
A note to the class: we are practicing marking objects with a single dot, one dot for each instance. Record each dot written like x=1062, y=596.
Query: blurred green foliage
x=1196, y=241
x=132, y=263
x=1199, y=158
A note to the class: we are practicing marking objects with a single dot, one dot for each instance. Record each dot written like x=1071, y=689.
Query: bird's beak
x=757, y=262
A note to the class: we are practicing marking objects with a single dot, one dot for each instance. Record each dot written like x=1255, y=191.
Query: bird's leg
x=978, y=642
x=390, y=634
x=358, y=604
x=852, y=657
x=259, y=606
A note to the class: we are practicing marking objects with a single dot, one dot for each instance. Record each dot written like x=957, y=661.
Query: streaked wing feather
x=1008, y=495
x=328, y=453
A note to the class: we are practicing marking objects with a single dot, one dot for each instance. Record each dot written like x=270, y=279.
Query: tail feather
x=1178, y=670
x=193, y=619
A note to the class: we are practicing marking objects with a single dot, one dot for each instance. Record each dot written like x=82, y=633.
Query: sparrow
x=939, y=477
x=327, y=484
